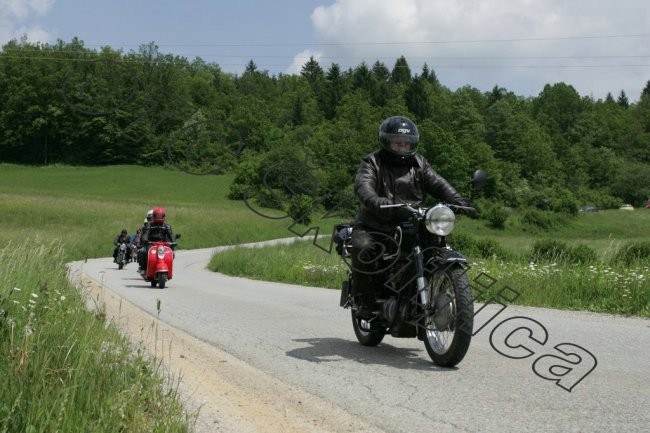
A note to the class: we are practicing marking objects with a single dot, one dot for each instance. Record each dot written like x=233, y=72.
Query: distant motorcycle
x=160, y=262
x=123, y=255
x=422, y=287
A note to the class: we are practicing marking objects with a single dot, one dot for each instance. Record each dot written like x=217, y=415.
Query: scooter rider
x=395, y=173
x=158, y=230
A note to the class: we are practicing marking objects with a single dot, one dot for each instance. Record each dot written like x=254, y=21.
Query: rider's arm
x=366, y=184
x=437, y=185
x=144, y=237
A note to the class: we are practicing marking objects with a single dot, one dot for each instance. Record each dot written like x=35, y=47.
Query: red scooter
x=160, y=263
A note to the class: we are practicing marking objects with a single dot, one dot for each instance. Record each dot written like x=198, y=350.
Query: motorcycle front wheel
x=448, y=332
x=366, y=333
x=162, y=279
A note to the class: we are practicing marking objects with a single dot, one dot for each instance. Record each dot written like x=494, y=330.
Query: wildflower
x=17, y=289
x=34, y=295
x=62, y=297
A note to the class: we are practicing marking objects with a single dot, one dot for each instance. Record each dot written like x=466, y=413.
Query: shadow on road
x=333, y=349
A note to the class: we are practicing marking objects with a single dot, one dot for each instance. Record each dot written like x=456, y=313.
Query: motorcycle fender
x=161, y=266
x=152, y=264
x=443, y=256
x=345, y=292
x=169, y=263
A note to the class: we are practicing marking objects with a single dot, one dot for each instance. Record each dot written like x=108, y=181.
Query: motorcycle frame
x=418, y=251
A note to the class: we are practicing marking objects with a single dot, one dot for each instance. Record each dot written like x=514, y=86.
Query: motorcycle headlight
x=161, y=252
x=440, y=220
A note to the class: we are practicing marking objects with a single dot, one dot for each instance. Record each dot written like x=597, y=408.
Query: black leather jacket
x=157, y=232
x=382, y=177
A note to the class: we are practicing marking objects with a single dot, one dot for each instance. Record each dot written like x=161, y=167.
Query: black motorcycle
x=421, y=285
x=123, y=255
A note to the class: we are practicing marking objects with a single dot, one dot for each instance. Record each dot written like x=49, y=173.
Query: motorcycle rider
x=122, y=237
x=141, y=247
x=395, y=173
x=148, y=220
x=158, y=230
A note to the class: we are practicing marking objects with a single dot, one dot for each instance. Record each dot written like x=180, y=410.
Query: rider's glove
x=465, y=203
x=378, y=202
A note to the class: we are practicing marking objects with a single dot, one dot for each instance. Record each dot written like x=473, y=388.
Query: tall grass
x=63, y=370
x=299, y=263
x=575, y=278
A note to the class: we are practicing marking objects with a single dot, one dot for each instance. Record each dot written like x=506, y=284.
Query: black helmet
x=402, y=129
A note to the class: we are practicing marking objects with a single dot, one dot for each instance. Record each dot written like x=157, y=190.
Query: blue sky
x=597, y=46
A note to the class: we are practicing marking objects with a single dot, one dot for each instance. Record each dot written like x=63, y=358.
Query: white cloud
x=17, y=19
x=517, y=44
x=23, y=8
x=300, y=59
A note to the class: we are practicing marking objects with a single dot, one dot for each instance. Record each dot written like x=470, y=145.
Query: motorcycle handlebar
x=417, y=209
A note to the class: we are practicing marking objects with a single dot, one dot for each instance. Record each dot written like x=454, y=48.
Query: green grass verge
x=596, y=280
x=62, y=368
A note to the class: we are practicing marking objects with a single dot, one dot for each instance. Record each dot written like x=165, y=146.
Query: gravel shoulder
x=221, y=392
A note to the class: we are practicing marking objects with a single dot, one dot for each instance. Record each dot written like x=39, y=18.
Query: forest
x=295, y=141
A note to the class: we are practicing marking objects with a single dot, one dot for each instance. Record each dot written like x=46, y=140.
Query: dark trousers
x=367, y=252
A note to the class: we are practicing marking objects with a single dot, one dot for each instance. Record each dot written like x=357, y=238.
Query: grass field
x=63, y=369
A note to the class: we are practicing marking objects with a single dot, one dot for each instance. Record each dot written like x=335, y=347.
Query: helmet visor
x=402, y=144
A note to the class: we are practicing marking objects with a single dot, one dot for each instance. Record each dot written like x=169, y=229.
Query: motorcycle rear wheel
x=365, y=332
x=448, y=346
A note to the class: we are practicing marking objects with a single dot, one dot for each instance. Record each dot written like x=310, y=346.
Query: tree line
x=294, y=141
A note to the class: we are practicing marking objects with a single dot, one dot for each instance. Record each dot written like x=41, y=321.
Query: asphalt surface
x=527, y=369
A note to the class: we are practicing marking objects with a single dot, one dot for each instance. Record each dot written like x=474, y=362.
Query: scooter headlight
x=160, y=252
x=440, y=220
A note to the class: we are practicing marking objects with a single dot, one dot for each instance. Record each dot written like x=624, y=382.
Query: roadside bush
x=549, y=250
x=552, y=250
x=491, y=249
x=632, y=252
x=583, y=254
x=554, y=199
x=542, y=220
x=483, y=248
x=495, y=215
x=463, y=242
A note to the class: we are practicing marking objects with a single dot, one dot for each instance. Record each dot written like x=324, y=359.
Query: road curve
x=260, y=356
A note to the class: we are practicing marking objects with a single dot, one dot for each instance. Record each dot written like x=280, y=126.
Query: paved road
x=527, y=370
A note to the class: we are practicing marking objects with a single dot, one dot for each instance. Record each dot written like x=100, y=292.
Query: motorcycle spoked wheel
x=448, y=346
x=365, y=332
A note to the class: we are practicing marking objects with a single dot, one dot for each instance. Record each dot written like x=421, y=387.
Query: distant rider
x=156, y=231
x=122, y=237
x=141, y=247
